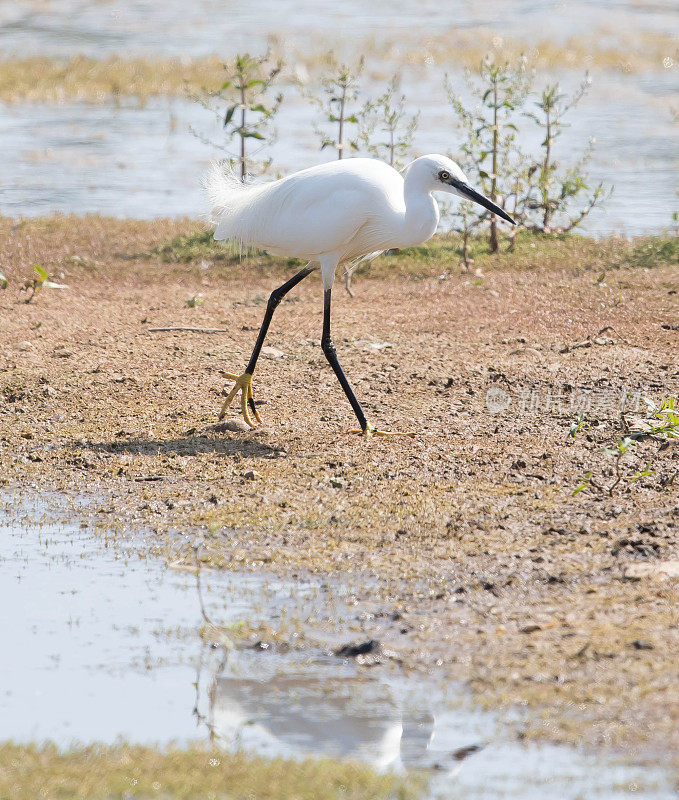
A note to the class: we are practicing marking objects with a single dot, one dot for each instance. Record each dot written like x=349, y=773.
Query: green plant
x=4, y=283
x=652, y=251
x=553, y=190
x=39, y=281
x=387, y=119
x=663, y=424
x=577, y=425
x=340, y=93
x=195, y=300
x=489, y=149
x=246, y=110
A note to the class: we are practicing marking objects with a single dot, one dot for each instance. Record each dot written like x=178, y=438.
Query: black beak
x=466, y=190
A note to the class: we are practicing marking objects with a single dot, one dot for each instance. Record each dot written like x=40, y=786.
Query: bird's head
x=441, y=174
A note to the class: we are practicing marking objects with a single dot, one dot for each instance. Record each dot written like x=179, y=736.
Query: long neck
x=422, y=211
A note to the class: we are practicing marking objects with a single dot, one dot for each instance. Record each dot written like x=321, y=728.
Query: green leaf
x=642, y=473
x=225, y=85
x=252, y=135
x=4, y=283
x=259, y=107
x=577, y=424
x=229, y=114
x=42, y=273
x=585, y=482
x=255, y=82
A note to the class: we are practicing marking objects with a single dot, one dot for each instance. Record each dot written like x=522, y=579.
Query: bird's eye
x=444, y=176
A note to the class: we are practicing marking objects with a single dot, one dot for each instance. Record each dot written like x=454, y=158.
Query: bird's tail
x=229, y=199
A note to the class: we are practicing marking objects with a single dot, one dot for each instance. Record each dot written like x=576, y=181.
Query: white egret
x=328, y=215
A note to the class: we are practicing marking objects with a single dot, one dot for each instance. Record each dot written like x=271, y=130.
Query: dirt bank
x=467, y=550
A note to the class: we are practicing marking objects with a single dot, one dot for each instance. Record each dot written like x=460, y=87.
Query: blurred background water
x=142, y=160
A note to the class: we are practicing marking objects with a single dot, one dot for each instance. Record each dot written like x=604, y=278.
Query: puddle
x=100, y=642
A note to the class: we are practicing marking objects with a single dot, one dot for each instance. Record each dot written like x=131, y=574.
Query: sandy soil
x=466, y=549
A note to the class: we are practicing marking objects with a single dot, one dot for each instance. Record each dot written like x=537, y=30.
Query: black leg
x=244, y=382
x=331, y=354
x=274, y=299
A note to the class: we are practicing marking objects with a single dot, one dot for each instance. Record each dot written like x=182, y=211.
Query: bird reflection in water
x=342, y=717
x=333, y=713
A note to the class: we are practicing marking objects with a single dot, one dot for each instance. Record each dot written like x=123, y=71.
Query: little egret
x=327, y=215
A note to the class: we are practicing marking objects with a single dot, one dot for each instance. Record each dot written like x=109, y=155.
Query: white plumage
x=331, y=214
x=336, y=212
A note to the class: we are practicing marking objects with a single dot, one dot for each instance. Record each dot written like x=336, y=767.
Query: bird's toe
x=243, y=384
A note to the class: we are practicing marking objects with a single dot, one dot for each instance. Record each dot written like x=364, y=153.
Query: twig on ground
x=189, y=329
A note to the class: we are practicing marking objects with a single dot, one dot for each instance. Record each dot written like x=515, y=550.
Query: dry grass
x=123, y=772
x=82, y=78
x=40, y=79
x=637, y=52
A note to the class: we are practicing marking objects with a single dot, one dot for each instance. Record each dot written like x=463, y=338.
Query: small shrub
x=340, y=89
x=247, y=111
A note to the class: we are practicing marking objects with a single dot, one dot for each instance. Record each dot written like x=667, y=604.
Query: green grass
x=69, y=244
x=189, y=248
x=655, y=250
x=441, y=253
x=114, y=772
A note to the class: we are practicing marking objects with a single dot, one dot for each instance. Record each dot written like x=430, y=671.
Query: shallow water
x=145, y=162
x=100, y=642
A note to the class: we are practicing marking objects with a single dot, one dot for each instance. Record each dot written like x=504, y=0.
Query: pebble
x=239, y=425
x=272, y=352
x=531, y=627
x=529, y=352
x=659, y=571
x=359, y=649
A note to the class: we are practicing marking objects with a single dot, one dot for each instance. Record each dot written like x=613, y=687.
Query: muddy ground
x=465, y=547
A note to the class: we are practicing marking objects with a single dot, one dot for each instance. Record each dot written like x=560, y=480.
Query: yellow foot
x=244, y=386
x=370, y=431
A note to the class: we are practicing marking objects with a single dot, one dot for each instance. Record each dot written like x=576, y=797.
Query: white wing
x=343, y=207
